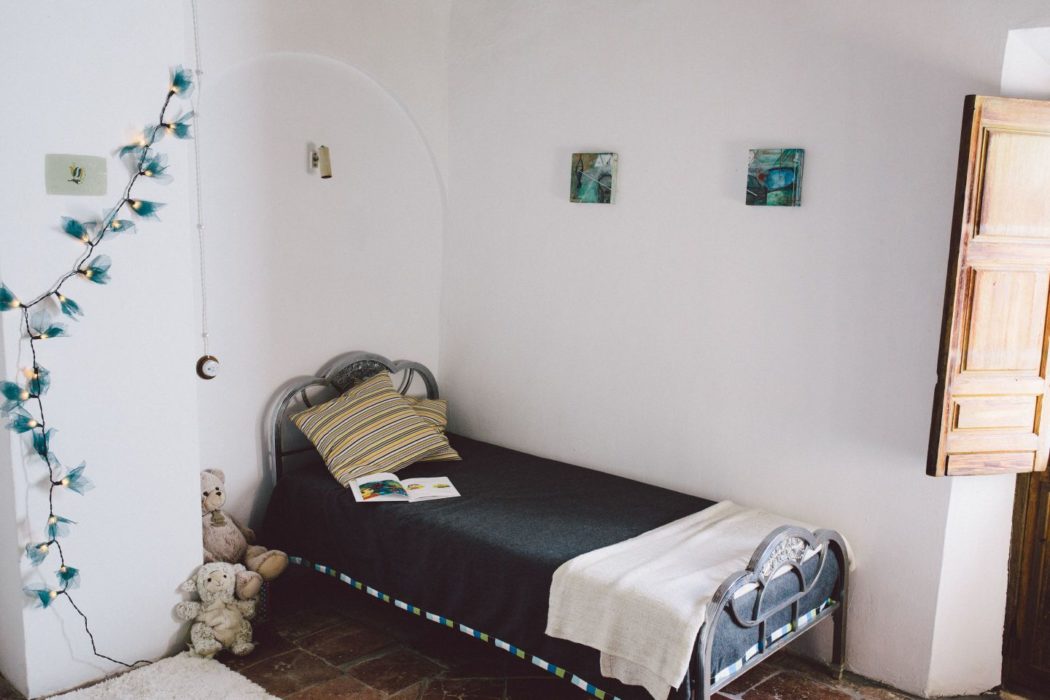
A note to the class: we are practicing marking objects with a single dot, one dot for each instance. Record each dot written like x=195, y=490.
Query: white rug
x=181, y=677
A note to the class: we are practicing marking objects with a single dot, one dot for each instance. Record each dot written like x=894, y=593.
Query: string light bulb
x=29, y=373
x=43, y=547
x=32, y=423
x=52, y=520
x=65, y=481
x=62, y=569
x=115, y=225
x=24, y=395
x=53, y=594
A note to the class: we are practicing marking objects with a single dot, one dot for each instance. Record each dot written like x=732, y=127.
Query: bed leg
x=838, y=649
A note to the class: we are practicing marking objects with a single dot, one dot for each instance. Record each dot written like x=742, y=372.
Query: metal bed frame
x=782, y=553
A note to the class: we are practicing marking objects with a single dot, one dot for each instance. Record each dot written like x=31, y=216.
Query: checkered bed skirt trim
x=441, y=620
x=803, y=621
x=558, y=671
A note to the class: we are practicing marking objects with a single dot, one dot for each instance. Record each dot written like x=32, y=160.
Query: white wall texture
x=677, y=336
x=80, y=78
x=783, y=358
x=299, y=268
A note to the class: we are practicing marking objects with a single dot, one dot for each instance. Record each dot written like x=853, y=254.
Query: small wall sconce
x=320, y=159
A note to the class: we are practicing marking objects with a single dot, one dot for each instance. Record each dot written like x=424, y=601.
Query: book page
x=378, y=487
x=429, y=488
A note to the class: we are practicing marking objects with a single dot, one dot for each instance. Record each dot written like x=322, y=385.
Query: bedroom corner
x=592, y=357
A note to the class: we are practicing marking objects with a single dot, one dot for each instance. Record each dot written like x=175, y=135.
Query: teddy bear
x=220, y=619
x=226, y=540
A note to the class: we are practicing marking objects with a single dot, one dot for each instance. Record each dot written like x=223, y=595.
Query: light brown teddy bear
x=226, y=540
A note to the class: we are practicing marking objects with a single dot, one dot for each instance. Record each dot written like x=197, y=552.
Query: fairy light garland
x=40, y=324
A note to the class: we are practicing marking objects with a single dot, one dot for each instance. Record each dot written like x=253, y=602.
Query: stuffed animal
x=220, y=619
x=226, y=540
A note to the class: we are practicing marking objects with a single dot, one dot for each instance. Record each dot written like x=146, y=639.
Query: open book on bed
x=383, y=486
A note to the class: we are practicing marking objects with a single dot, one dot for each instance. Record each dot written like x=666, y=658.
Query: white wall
x=299, y=268
x=80, y=78
x=783, y=358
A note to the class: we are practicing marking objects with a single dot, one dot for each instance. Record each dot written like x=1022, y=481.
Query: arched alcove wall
x=301, y=268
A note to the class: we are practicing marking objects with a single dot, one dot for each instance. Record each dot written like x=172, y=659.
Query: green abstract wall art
x=774, y=177
x=593, y=178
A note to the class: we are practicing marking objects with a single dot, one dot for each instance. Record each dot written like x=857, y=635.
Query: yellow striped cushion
x=434, y=411
x=370, y=428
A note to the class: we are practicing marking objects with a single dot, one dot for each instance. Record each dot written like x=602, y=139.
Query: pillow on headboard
x=434, y=411
x=370, y=428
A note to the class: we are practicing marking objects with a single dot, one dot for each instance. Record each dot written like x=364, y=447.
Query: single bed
x=482, y=564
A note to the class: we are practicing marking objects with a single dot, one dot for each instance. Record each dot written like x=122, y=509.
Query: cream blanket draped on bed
x=641, y=602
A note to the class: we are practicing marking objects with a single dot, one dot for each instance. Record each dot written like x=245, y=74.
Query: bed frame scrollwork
x=784, y=552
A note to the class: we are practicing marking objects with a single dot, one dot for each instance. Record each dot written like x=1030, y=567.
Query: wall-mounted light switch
x=71, y=174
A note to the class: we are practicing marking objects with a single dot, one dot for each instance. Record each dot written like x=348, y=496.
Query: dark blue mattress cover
x=485, y=559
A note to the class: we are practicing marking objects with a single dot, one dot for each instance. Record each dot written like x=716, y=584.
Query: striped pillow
x=434, y=411
x=370, y=428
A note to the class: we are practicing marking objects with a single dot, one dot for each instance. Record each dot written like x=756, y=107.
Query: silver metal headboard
x=284, y=440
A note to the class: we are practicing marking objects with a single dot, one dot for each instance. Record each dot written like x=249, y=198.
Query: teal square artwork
x=593, y=178
x=774, y=177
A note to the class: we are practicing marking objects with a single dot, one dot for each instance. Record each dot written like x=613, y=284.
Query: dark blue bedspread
x=485, y=559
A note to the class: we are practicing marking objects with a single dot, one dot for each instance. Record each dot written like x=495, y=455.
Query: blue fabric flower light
x=21, y=421
x=14, y=396
x=145, y=209
x=69, y=307
x=154, y=166
x=39, y=379
x=97, y=270
x=181, y=81
x=57, y=526
x=76, y=229
x=180, y=128
x=38, y=552
x=42, y=327
x=134, y=149
x=121, y=226
x=76, y=481
x=42, y=445
x=44, y=596
x=69, y=576
x=8, y=300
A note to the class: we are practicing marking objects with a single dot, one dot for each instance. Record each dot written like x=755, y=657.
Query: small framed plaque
x=72, y=174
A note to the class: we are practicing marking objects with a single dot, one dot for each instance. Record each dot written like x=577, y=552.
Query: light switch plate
x=72, y=174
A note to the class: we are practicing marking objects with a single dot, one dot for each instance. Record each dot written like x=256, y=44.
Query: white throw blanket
x=641, y=602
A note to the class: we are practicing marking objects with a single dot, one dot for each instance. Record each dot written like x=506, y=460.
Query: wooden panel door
x=988, y=415
x=1026, y=648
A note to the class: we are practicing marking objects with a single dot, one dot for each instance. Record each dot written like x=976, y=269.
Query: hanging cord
x=197, y=171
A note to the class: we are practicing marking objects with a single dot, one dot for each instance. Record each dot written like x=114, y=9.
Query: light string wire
x=35, y=388
x=197, y=172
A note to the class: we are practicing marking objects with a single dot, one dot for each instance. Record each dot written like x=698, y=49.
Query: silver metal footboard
x=782, y=553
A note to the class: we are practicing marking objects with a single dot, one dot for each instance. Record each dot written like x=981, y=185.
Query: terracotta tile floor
x=324, y=641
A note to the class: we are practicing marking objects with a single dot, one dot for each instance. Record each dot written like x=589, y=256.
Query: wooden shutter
x=988, y=415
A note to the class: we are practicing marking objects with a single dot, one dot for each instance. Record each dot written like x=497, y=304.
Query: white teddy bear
x=220, y=619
